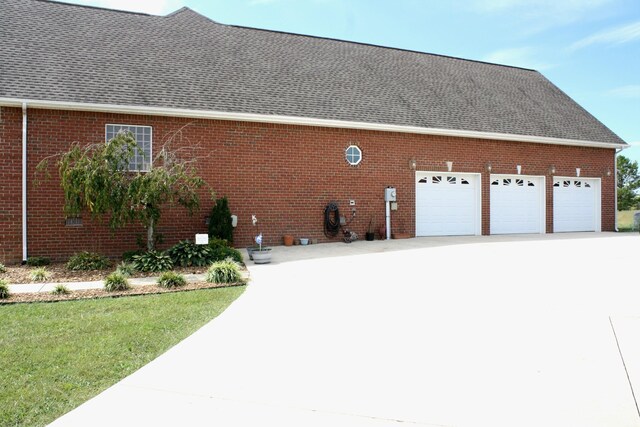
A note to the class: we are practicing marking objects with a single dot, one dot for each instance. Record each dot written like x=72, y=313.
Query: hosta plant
x=88, y=261
x=125, y=268
x=188, y=254
x=38, y=261
x=152, y=261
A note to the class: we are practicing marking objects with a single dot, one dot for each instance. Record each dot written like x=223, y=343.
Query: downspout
x=24, y=182
x=615, y=178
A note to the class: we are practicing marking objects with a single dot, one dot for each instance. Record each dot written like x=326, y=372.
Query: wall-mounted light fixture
x=552, y=169
x=413, y=164
x=608, y=173
x=449, y=166
x=488, y=167
x=519, y=169
x=578, y=172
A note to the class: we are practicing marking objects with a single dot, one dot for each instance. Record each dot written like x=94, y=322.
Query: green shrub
x=39, y=274
x=220, y=220
x=4, y=289
x=169, y=279
x=215, y=241
x=3, y=269
x=152, y=261
x=116, y=282
x=187, y=254
x=226, y=271
x=38, y=261
x=128, y=255
x=125, y=268
x=60, y=289
x=88, y=261
x=220, y=250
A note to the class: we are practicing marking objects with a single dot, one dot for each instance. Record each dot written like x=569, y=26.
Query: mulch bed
x=100, y=293
x=58, y=273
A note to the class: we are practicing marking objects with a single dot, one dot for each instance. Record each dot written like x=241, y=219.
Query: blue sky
x=588, y=48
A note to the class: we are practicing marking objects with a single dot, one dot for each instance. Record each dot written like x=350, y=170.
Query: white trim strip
x=303, y=121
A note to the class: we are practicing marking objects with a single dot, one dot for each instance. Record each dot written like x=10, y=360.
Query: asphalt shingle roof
x=61, y=52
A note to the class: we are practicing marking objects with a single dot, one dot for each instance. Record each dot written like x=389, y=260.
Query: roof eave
x=302, y=121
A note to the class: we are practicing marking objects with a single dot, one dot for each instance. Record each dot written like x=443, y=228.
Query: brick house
x=290, y=123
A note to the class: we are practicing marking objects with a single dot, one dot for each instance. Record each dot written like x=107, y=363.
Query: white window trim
x=346, y=151
x=150, y=141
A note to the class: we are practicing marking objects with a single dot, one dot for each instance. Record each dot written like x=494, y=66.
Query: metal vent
x=73, y=222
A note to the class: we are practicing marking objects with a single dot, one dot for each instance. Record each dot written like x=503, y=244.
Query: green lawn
x=54, y=356
x=625, y=219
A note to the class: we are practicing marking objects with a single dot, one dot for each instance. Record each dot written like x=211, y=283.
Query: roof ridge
x=186, y=9
x=379, y=46
x=177, y=11
x=86, y=6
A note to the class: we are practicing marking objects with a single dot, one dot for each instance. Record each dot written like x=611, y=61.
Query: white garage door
x=576, y=204
x=517, y=204
x=447, y=204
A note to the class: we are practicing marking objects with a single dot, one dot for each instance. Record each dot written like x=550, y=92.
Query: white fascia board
x=302, y=121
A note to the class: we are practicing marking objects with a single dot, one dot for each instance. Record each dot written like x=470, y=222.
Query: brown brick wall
x=10, y=184
x=283, y=174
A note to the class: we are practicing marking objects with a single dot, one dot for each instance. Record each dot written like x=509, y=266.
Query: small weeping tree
x=96, y=178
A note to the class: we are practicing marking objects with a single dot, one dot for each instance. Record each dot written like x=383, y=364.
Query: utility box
x=390, y=194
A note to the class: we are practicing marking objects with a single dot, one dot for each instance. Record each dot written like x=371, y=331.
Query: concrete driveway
x=479, y=331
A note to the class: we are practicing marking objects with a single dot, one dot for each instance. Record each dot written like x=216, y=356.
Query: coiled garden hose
x=331, y=220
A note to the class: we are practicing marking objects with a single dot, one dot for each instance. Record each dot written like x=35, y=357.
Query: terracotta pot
x=288, y=240
x=400, y=235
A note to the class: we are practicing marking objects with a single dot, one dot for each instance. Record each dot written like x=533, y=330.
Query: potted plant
x=258, y=254
x=370, y=235
x=400, y=234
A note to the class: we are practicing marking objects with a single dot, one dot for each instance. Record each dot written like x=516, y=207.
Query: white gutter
x=24, y=181
x=303, y=121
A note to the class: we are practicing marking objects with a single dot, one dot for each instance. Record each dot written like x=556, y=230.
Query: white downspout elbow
x=24, y=182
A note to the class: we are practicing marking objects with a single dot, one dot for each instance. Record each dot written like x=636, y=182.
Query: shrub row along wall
x=283, y=174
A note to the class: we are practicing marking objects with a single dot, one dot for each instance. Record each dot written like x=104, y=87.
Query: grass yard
x=625, y=219
x=56, y=356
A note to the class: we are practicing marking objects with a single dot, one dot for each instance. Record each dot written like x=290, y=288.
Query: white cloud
x=618, y=35
x=533, y=16
x=629, y=91
x=517, y=57
x=547, y=6
x=155, y=7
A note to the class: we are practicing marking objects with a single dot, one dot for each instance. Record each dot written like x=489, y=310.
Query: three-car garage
x=449, y=204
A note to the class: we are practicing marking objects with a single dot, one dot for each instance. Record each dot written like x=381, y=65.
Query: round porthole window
x=353, y=155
